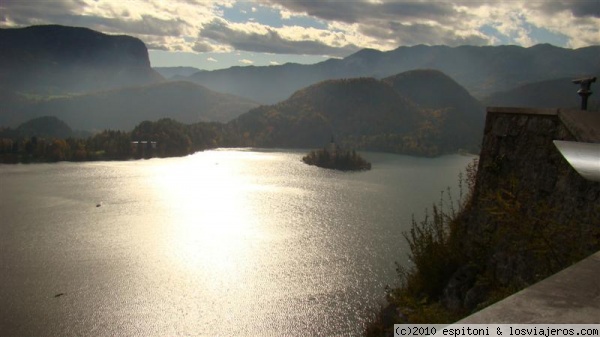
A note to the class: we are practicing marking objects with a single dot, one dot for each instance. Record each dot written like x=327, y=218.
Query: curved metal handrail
x=583, y=157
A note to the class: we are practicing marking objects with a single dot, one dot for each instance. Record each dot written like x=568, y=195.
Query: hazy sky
x=219, y=34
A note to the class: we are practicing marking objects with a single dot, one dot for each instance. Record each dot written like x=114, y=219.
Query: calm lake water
x=220, y=243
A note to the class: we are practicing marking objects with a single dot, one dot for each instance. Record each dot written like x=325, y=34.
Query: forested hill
x=370, y=114
x=459, y=116
x=421, y=112
x=45, y=127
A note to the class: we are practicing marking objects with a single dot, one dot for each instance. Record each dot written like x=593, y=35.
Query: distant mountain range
x=417, y=100
x=557, y=93
x=176, y=72
x=481, y=70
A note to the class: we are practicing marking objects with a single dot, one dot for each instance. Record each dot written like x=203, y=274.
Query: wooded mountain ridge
x=361, y=113
x=371, y=114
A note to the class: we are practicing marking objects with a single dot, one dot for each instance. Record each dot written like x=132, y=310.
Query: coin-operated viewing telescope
x=585, y=91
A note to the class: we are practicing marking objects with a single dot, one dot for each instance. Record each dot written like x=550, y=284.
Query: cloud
x=423, y=33
x=212, y=59
x=156, y=46
x=329, y=27
x=259, y=38
x=202, y=47
x=148, y=20
x=389, y=24
x=393, y=22
x=359, y=11
x=246, y=61
x=579, y=9
x=573, y=21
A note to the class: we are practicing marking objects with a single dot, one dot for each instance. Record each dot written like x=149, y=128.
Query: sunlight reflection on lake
x=226, y=242
x=207, y=200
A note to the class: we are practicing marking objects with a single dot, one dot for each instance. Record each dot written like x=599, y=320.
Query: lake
x=242, y=242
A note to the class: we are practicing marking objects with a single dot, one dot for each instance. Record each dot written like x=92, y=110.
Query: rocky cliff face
x=531, y=213
x=57, y=59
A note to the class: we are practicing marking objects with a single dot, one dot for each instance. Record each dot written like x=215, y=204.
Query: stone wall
x=518, y=145
x=524, y=185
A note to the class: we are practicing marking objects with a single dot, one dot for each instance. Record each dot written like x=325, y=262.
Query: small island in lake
x=332, y=157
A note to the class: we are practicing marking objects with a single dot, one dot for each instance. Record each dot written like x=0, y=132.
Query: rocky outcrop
x=56, y=59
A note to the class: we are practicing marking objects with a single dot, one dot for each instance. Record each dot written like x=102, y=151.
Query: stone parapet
x=524, y=184
x=571, y=296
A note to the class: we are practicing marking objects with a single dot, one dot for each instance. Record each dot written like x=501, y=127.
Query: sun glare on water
x=214, y=228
